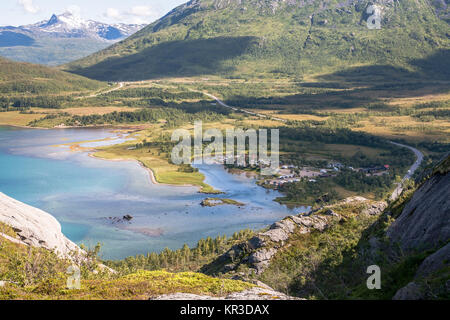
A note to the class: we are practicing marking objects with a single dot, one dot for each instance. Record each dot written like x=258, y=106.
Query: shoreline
x=149, y=170
x=97, y=126
x=23, y=127
x=92, y=151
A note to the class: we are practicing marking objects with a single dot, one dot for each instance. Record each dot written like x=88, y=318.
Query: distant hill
x=28, y=79
x=236, y=38
x=60, y=39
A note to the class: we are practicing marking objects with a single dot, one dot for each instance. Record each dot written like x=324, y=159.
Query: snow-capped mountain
x=70, y=25
x=61, y=39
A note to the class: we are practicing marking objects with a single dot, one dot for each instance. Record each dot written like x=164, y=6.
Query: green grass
x=142, y=285
x=53, y=52
x=28, y=79
x=38, y=274
x=152, y=158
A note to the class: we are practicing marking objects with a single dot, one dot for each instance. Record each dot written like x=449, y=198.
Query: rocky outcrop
x=425, y=221
x=257, y=252
x=265, y=245
x=256, y=293
x=376, y=208
x=435, y=263
x=423, y=225
x=35, y=227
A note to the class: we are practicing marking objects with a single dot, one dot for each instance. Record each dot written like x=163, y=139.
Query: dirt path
x=223, y=104
x=120, y=86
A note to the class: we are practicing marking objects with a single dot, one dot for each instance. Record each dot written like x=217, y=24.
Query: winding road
x=419, y=155
x=223, y=104
x=397, y=192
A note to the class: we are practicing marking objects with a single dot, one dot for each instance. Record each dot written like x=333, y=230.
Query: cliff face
x=425, y=220
x=424, y=224
x=35, y=227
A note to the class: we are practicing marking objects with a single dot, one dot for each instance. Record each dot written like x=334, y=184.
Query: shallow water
x=83, y=193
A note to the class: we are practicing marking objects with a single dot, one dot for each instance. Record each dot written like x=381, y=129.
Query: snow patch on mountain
x=70, y=25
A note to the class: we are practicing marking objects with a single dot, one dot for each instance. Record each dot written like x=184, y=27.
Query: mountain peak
x=53, y=20
x=54, y=34
x=72, y=21
x=70, y=24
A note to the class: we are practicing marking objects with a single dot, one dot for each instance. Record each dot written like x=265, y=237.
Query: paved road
x=411, y=171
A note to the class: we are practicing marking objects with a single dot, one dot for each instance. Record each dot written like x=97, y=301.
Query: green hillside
x=52, y=51
x=28, y=79
x=266, y=38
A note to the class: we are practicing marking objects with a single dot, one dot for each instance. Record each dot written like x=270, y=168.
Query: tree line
x=184, y=259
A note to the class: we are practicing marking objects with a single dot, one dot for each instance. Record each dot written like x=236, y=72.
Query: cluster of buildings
x=292, y=174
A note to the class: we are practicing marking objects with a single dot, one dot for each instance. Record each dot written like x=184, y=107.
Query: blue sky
x=22, y=12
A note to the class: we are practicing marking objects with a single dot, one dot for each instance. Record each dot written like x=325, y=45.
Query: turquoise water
x=83, y=193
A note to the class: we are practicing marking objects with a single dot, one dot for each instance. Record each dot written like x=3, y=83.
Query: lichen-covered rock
x=286, y=225
x=261, y=259
x=376, y=209
x=353, y=199
x=280, y=231
x=313, y=222
x=258, y=252
x=276, y=235
x=256, y=243
x=331, y=213
x=256, y=293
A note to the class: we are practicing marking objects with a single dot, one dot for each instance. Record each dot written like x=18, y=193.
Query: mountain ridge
x=19, y=78
x=272, y=37
x=69, y=25
x=60, y=39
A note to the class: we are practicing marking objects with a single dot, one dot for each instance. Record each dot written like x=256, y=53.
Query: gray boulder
x=256, y=293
